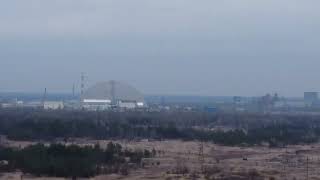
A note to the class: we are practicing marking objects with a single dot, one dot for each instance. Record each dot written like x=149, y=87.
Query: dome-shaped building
x=105, y=94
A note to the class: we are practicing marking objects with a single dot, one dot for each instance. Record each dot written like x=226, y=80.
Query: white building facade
x=53, y=105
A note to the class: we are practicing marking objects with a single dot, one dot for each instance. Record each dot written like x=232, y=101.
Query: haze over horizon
x=181, y=47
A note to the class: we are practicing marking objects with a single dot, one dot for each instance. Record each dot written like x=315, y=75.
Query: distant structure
x=47, y=105
x=311, y=98
x=237, y=100
x=82, y=86
x=44, y=97
x=73, y=90
x=112, y=94
x=53, y=105
x=112, y=91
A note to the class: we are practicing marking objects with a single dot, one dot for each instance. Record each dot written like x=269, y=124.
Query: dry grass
x=220, y=161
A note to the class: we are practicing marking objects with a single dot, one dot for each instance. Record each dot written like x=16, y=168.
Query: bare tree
x=201, y=156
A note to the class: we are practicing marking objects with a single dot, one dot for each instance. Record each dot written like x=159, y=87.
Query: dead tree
x=307, y=175
x=201, y=156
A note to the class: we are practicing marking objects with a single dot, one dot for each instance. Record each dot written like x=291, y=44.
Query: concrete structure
x=33, y=104
x=53, y=105
x=8, y=105
x=127, y=104
x=140, y=104
x=105, y=95
x=12, y=104
x=280, y=104
x=96, y=104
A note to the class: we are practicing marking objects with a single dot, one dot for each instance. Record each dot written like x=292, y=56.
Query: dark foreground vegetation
x=235, y=129
x=71, y=161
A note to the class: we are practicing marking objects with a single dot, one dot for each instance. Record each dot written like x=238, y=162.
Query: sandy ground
x=299, y=162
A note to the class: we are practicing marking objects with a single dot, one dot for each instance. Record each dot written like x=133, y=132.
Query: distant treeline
x=234, y=129
x=73, y=161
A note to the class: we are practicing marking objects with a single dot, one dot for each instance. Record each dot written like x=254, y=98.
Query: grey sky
x=206, y=47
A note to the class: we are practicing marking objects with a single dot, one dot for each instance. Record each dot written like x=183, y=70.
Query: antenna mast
x=113, y=92
x=44, y=97
x=82, y=86
x=73, y=91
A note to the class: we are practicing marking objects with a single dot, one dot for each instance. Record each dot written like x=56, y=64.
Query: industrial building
x=112, y=94
x=53, y=105
x=96, y=104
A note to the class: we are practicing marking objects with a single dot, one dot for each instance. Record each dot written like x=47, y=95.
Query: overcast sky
x=206, y=47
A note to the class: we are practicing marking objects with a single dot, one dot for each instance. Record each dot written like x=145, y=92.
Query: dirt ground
x=294, y=162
